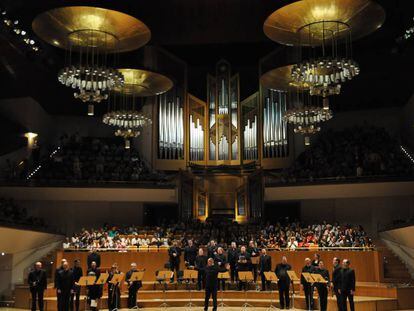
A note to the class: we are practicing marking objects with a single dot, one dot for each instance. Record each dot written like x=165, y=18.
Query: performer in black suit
x=37, y=283
x=190, y=254
x=347, y=285
x=174, y=253
x=316, y=259
x=133, y=287
x=65, y=286
x=253, y=252
x=55, y=280
x=243, y=264
x=307, y=287
x=77, y=273
x=94, y=256
x=220, y=261
x=232, y=257
x=283, y=282
x=212, y=249
x=336, y=281
x=200, y=266
x=265, y=265
x=114, y=293
x=212, y=271
x=322, y=288
x=94, y=291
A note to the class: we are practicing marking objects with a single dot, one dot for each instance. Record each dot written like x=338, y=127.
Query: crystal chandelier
x=322, y=32
x=306, y=114
x=92, y=38
x=325, y=57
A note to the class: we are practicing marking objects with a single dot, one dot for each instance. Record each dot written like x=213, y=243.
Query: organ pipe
x=196, y=139
x=274, y=128
x=171, y=128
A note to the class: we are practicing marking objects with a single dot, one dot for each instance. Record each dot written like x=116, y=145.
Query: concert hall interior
x=206, y=155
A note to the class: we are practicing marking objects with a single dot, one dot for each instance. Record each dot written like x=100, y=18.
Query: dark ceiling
x=203, y=31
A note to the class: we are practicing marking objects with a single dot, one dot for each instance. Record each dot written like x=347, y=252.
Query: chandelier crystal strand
x=88, y=71
x=328, y=63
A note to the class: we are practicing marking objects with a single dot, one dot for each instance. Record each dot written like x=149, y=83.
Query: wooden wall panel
x=365, y=263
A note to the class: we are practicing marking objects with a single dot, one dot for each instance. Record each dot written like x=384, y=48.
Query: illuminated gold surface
x=362, y=16
x=144, y=83
x=67, y=26
x=279, y=79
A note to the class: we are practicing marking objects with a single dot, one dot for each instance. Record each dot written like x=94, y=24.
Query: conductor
x=211, y=273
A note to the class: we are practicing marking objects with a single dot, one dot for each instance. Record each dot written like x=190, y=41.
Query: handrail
x=314, y=248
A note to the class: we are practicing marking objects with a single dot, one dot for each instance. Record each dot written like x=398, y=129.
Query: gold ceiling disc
x=113, y=31
x=144, y=83
x=361, y=16
x=280, y=79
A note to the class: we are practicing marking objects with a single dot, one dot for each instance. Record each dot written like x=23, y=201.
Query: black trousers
x=265, y=284
x=210, y=292
x=243, y=285
x=254, y=271
x=308, y=296
x=114, y=298
x=37, y=295
x=346, y=295
x=323, y=297
x=75, y=299
x=284, y=298
x=64, y=300
x=175, y=267
x=201, y=281
x=338, y=299
x=233, y=272
x=132, y=297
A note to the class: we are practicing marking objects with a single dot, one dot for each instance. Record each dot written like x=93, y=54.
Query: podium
x=309, y=279
x=189, y=275
x=223, y=276
x=247, y=277
x=293, y=278
x=86, y=281
x=163, y=276
x=272, y=278
x=116, y=280
x=136, y=276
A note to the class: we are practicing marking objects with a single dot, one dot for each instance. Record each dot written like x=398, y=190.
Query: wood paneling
x=365, y=263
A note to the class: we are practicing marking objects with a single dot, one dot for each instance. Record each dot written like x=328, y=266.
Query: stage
x=371, y=296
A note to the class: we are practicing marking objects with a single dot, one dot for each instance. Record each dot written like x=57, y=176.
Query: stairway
x=395, y=270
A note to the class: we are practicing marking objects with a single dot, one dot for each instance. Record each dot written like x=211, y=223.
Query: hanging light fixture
x=323, y=31
x=93, y=38
x=126, y=102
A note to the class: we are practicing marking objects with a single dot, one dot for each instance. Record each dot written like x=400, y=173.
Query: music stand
x=309, y=279
x=223, y=276
x=293, y=278
x=271, y=277
x=190, y=275
x=86, y=281
x=319, y=279
x=103, y=277
x=116, y=280
x=136, y=276
x=163, y=276
x=246, y=276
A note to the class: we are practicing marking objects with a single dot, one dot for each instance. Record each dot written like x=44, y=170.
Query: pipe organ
x=170, y=126
x=275, y=138
x=223, y=115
